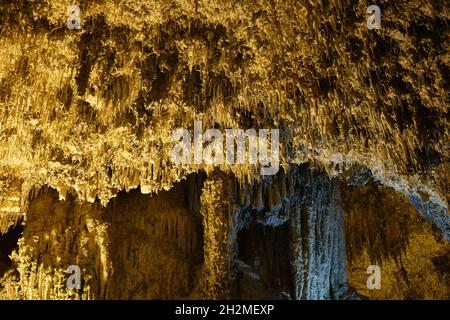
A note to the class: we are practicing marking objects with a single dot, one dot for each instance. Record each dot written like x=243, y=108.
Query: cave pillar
x=59, y=234
x=318, y=240
x=219, y=213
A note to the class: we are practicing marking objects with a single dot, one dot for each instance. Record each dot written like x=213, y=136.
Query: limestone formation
x=87, y=116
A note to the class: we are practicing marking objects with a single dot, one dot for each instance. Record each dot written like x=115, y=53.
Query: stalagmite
x=218, y=210
x=318, y=246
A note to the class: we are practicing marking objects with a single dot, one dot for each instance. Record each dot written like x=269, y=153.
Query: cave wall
x=383, y=228
x=187, y=243
x=285, y=237
x=89, y=114
x=138, y=247
x=291, y=236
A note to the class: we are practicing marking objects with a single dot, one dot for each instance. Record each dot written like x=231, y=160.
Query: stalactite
x=382, y=227
x=92, y=119
x=110, y=94
x=11, y=211
x=137, y=240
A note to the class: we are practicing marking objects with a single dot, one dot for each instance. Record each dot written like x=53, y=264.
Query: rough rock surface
x=86, y=118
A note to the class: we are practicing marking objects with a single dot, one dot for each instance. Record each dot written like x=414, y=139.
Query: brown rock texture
x=86, y=123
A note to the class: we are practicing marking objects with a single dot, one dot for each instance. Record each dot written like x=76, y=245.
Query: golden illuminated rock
x=86, y=122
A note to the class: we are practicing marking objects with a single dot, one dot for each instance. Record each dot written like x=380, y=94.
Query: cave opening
x=264, y=270
x=9, y=243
